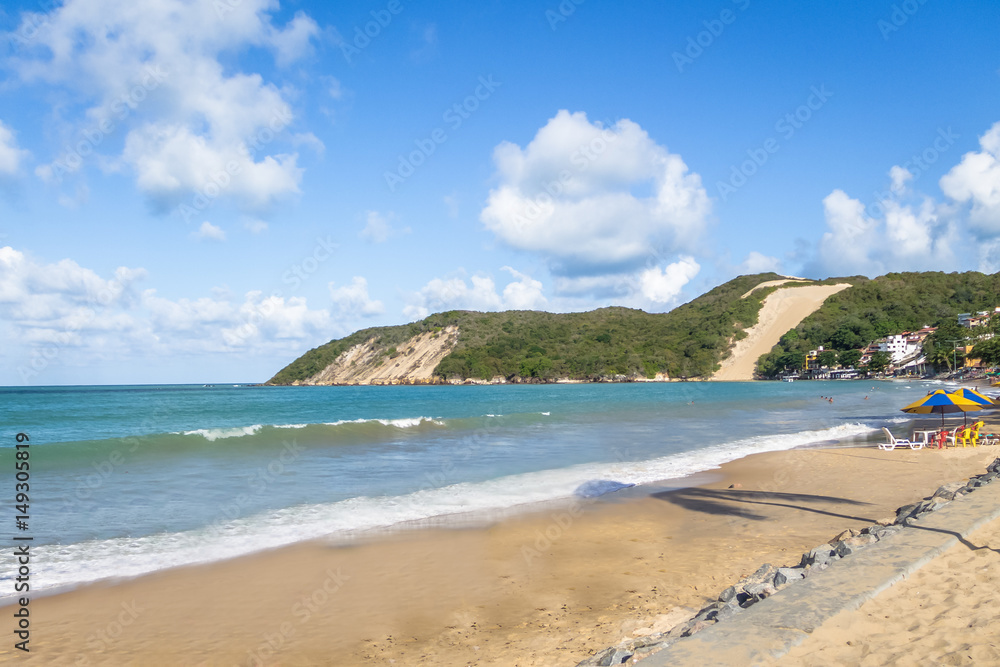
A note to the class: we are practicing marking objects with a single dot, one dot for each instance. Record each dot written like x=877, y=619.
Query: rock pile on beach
x=768, y=579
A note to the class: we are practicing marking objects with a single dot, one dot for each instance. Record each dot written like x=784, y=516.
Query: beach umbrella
x=974, y=396
x=942, y=402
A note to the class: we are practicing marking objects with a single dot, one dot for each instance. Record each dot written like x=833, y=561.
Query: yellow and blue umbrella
x=974, y=396
x=942, y=402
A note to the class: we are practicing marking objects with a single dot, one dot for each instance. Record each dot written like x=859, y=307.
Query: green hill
x=688, y=341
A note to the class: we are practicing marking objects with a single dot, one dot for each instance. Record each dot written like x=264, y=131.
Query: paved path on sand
x=772, y=628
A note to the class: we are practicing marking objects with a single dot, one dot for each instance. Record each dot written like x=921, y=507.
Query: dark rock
x=821, y=555
x=763, y=574
x=906, y=510
x=947, y=492
x=786, y=575
x=728, y=611
x=648, y=641
x=758, y=592
x=608, y=657
x=728, y=594
x=989, y=477
x=843, y=549
x=994, y=467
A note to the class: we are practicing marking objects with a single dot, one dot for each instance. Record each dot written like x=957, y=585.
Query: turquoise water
x=129, y=480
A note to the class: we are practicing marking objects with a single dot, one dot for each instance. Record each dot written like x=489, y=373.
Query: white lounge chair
x=893, y=442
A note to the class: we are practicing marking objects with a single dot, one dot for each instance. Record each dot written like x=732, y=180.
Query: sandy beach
x=944, y=614
x=549, y=588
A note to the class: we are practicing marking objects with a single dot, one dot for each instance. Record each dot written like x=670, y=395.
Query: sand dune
x=782, y=310
x=370, y=363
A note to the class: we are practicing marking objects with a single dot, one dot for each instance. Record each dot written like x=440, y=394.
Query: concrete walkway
x=770, y=628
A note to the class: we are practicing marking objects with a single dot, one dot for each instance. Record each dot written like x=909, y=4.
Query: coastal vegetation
x=687, y=342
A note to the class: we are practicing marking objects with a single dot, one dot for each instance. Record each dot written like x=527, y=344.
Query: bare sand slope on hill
x=782, y=310
x=370, y=363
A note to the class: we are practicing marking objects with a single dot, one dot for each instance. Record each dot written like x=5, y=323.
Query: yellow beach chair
x=963, y=437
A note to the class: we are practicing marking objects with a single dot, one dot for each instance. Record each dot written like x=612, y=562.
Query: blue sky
x=201, y=191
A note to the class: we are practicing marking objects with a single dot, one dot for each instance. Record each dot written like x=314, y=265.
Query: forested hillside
x=688, y=341
x=889, y=304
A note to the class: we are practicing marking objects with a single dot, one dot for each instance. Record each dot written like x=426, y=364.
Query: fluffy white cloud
x=976, y=179
x=757, y=262
x=665, y=285
x=378, y=228
x=162, y=72
x=295, y=40
x=846, y=247
x=900, y=176
x=591, y=198
x=455, y=293
x=523, y=294
x=904, y=237
x=210, y=232
x=10, y=155
x=352, y=300
x=62, y=313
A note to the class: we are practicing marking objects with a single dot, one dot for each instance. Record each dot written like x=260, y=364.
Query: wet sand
x=548, y=588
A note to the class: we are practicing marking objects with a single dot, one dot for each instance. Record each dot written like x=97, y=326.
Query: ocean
x=133, y=479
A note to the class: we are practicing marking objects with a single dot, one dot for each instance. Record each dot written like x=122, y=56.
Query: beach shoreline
x=545, y=588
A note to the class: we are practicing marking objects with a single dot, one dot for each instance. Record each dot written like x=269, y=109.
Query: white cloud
x=845, y=248
x=162, y=73
x=989, y=256
x=352, y=300
x=909, y=231
x=592, y=199
x=10, y=155
x=378, y=228
x=524, y=294
x=757, y=262
x=255, y=226
x=976, y=179
x=907, y=237
x=900, y=176
x=295, y=40
x=210, y=232
x=62, y=313
x=455, y=293
x=664, y=286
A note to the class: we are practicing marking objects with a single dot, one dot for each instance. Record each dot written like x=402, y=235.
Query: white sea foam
x=119, y=557
x=213, y=434
x=398, y=423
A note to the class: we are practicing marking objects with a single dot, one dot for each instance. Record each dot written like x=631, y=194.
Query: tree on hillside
x=938, y=357
x=879, y=362
x=827, y=358
x=850, y=358
x=988, y=351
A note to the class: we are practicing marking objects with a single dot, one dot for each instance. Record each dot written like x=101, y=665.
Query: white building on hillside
x=900, y=347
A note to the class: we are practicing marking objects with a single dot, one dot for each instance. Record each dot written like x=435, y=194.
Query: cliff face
x=412, y=362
